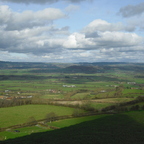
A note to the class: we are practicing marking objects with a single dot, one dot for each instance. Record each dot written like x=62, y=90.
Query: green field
x=20, y=114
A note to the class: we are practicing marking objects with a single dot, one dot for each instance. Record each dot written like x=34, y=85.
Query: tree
x=134, y=108
x=87, y=105
x=76, y=112
x=50, y=117
x=143, y=107
x=118, y=91
x=31, y=120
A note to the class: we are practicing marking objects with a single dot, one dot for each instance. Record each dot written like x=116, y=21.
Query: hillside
x=124, y=128
x=88, y=68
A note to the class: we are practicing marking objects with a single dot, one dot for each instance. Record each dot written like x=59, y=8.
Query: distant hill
x=83, y=69
x=103, y=63
x=25, y=65
x=97, y=67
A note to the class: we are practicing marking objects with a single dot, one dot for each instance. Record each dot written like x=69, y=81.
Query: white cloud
x=118, y=39
x=28, y=19
x=106, y=39
x=78, y=40
x=102, y=25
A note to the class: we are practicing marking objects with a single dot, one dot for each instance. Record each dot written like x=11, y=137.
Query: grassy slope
x=19, y=114
x=34, y=129
x=113, y=129
x=74, y=121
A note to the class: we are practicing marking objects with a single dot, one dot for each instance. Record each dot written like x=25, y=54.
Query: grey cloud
x=61, y=31
x=35, y=41
x=130, y=28
x=29, y=46
x=128, y=54
x=92, y=35
x=42, y=1
x=132, y=10
x=107, y=54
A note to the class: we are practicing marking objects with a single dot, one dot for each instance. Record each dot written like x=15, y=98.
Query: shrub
x=142, y=107
x=50, y=117
x=134, y=108
x=32, y=121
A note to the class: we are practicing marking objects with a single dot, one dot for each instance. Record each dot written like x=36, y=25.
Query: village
x=7, y=96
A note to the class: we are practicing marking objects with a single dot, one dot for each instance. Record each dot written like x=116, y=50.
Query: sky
x=72, y=31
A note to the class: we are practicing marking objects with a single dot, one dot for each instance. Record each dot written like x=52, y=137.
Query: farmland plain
x=37, y=89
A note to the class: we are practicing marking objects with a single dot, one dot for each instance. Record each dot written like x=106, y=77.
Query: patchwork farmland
x=56, y=96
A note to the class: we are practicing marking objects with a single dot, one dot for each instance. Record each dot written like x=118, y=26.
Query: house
x=69, y=86
x=134, y=88
x=131, y=82
x=9, y=98
x=7, y=91
x=29, y=96
x=23, y=97
x=3, y=97
x=103, y=91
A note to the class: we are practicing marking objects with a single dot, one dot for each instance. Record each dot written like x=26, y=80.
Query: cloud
x=38, y=41
x=101, y=34
x=105, y=39
x=132, y=10
x=78, y=41
x=28, y=19
x=108, y=55
x=104, y=54
x=91, y=35
x=31, y=32
x=42, y=1
x=43, y=40
x=71, y=8
x=125, y=54
x=118, y=39
x=102, y=25
x=32, y=36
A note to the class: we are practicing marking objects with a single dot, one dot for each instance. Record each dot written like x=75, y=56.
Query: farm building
x=69, y=86
x=131, y=82
x=3, y=97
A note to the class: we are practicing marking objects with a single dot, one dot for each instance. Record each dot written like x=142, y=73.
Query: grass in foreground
x=113, y=129
x=11, y=134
